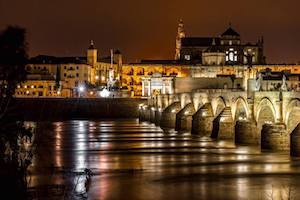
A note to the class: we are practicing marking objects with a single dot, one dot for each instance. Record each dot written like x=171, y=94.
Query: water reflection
x=140, y=161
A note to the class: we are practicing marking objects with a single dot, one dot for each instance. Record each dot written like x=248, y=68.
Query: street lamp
x=104, y=93
x=81, y=89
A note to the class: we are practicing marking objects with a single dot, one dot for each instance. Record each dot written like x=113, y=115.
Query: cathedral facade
x=226, y=49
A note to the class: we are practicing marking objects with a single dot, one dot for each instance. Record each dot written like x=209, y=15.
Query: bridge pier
x=274, y=137
x=158, y=116
x=143, y=113
x=295, y=141
x=223, y=125
x=202, y=121
x=146, y=113
x=168, y=117
x=246, y=132
x=184, y=118
x=152, y=115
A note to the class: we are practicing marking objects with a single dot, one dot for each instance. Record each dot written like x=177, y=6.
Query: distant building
x=40, y=85
x=70, y=73
x=224, y=56
x=157, y=84
x=226, y=49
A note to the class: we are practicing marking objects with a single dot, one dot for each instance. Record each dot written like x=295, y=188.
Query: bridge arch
x=218, y=104
x=292, y=117
x=265, y=112
x=240, y=109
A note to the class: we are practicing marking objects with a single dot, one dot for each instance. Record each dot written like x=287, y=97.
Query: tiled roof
x=230, y=32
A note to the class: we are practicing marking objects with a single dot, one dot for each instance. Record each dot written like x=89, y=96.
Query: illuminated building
x=157, y=84
x=132, y=74
x=71, y=72
x=229, y=45
x=40, y=86
x=206, y=57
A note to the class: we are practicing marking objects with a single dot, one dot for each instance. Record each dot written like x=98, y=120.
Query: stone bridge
x=257, y=117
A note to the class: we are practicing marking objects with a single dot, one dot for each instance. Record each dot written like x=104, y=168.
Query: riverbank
x=56, y=109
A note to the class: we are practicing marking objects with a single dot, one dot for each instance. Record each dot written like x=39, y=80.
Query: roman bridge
x=257, y=117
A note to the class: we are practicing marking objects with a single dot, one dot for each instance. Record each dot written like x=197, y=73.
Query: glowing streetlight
x=104, y=93
x=81, y=88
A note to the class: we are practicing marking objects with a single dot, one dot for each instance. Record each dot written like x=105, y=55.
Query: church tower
x=92, y=54
x=180, y=35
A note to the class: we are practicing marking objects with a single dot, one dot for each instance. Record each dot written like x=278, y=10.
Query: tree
x=13, y=161
x=13, y=59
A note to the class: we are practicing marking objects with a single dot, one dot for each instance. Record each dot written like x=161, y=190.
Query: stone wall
x=75, y=108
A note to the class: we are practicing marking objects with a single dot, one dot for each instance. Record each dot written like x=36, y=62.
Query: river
x=132, y=160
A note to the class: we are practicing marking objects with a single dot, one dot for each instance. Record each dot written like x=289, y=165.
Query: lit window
x=187, y=57
x=231, y=56
x=230, y=42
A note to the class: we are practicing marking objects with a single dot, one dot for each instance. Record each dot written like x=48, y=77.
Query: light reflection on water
x=140, y=161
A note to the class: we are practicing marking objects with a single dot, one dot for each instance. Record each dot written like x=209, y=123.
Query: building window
x=231, y=55
x=77, y=67
x=65, y=67
x=230, y=42
x=77, y=75
x=65, y=74
x=187, y=57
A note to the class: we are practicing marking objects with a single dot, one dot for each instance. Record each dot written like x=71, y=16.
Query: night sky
x=146, y=29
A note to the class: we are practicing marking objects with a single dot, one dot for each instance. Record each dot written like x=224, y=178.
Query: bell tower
x=180, y=35
x=92, y=54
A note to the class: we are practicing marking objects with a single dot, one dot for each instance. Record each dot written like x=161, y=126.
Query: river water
x=132, y=160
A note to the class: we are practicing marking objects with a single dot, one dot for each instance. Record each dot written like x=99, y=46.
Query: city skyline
x=148, y=30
